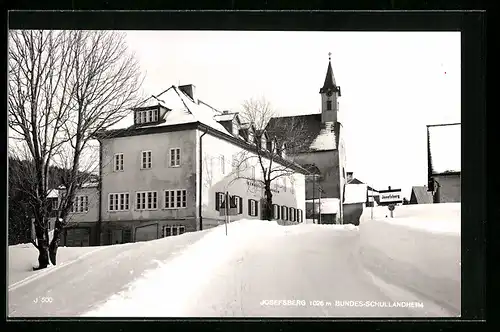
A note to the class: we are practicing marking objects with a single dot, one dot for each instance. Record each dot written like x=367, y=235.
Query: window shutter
x=217, y=201
x=256, y=208
x=240, y=205
x=249, y=207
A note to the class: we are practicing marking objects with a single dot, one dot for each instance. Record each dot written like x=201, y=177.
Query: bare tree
x=276, y=141
x=64, y=87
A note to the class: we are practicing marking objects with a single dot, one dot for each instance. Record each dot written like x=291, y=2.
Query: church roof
x=317, y=138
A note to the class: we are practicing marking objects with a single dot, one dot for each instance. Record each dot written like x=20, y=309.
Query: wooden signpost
x=230, y=209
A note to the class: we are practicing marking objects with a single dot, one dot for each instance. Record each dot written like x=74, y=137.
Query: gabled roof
x=181, y=109
x=354, y=181
x=420, y=195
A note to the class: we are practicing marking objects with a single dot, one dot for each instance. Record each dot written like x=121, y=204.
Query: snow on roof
x=445, y=148
x=182, y=110
x=326, y=140
x=355, y=193
x=225, y=117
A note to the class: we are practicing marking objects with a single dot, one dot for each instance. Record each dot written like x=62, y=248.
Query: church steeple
x=329, y=94
x=330, y=84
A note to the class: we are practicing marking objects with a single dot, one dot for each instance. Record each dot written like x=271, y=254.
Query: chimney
x=190, y=90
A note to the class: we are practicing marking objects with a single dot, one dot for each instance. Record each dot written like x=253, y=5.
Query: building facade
x=166, y=174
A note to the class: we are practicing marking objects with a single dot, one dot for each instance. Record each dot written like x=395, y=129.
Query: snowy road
x=317, y=269
x=74, y=289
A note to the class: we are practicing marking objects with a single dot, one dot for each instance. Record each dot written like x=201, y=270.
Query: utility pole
x=320, y=192
x=314, y=201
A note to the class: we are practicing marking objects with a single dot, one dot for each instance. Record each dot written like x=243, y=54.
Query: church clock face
x=329, y=93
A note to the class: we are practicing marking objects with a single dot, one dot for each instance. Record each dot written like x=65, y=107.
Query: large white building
x=166, y=174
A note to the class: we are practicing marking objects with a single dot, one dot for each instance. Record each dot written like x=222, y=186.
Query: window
x=293, y=217
x=222, y=165
x=118, y=201
x=80, y=204
x=173, y=230
x=219, y=198
x=328, y=105
x=146, y=160
x=55, y=204
x=175, y=157
x=253, y=173
x=239, y=204
x=284, y=213
x=299, y=216
x=276, y=211
x=146, y=116
x=284, y=184
x=146, y=200
x=118, y=162
x=175, y=199
x=253, y=208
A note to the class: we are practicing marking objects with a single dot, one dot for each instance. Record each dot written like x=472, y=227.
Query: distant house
x=82, y=219
x=420, y=195
x=355, y=199
x=444, y=162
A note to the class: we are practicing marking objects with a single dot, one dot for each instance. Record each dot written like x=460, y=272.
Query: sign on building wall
x=391, y=196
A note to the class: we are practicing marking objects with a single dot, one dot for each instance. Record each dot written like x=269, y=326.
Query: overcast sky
x=393, y=84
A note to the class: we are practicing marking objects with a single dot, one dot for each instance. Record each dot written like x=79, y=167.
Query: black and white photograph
x=234, y=174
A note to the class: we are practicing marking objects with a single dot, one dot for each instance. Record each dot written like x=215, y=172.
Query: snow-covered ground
x=436, y=218
x=23, y=257
x=210, y=274
x=419, y=249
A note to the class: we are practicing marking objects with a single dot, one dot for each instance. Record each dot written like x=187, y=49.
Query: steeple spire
x=329, y=79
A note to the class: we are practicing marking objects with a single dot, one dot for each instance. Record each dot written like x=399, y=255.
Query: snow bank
x=159, y=292
x=419, y=250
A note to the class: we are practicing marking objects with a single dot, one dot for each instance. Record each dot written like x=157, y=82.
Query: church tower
x=329, y=96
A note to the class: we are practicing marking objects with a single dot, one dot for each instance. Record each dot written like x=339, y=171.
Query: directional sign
x=391, y=196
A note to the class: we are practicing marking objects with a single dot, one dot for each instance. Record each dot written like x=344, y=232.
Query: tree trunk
x=43, y=245
x=54, y=244
x=268, y=203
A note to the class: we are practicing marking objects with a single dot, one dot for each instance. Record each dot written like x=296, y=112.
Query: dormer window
x=146, y=116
